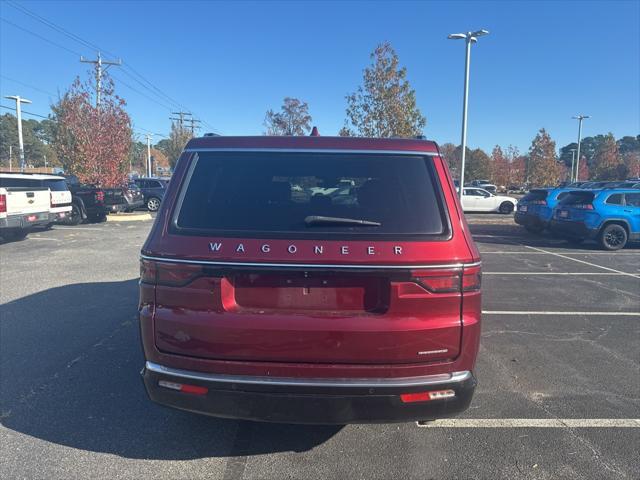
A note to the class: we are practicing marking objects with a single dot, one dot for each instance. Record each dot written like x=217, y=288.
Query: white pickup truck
x=21, y=209
x=59, y=194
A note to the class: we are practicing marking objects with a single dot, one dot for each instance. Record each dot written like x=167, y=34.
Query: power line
x=141, y=93
x=22, y=111
x=27, y=85
x=78, y=54
x=147, y=88
x=91, y=45
x=56, y=27
x=40, y=36
x=150, y=131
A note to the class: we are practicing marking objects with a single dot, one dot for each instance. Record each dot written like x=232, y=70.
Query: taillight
x=99, y=196
x=3, y=203
x=437, y=281
x=148, y=271
x=583, y=206
x=448, y=281
x=168, y=274
x=471, y=279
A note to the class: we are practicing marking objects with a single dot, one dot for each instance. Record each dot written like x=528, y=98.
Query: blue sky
x=229, y=62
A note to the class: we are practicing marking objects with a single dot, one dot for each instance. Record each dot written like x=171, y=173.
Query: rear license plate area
x=523, y=208
x=563, y=213
x=310, y=292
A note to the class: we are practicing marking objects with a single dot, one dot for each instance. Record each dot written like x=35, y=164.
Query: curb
x=128, y=217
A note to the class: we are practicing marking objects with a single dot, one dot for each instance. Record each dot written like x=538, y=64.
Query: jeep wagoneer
x=311, y=280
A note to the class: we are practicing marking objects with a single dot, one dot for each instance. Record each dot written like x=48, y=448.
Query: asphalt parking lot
x=558, y=370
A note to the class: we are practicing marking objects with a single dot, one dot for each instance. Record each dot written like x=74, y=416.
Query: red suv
x=311, y=280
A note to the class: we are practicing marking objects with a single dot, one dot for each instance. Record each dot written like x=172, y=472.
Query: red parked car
x=311, y=280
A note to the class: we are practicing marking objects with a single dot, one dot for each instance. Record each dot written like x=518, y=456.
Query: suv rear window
x=577, y=198
x=535, y=195
x=255, y=194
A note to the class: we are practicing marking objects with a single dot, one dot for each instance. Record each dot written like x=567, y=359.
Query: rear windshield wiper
x=312, y=220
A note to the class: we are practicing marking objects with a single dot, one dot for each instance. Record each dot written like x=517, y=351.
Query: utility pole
x=100, y=62
x=149, y=173
x=193, y=127
x=573, y=159
x=10, y=152
x=579, y=118
x=470, y=38
x=19, y=100
x=180, y=118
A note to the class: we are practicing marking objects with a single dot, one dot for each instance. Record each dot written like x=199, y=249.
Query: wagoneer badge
x=292, y=248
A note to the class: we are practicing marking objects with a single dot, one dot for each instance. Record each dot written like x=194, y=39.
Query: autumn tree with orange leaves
x=93, y=141
x=543, y=168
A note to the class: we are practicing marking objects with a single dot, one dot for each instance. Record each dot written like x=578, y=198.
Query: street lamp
x=19, y=100
x=579, y=118
x=469, y=37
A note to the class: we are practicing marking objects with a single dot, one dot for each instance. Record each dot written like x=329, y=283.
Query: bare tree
x=292, y=119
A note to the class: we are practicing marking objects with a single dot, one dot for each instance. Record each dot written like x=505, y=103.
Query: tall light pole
x=149, y=173
x=579, y=118
x=573, y=159
x=19, y=100
x=469, y=37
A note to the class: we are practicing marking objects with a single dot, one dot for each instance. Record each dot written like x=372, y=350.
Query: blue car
x=535, y=209
x=609, y=216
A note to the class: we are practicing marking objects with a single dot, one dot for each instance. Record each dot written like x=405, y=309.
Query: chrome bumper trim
x=312, y=382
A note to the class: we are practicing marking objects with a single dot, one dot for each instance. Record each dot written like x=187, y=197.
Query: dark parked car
x=124, y=199
x=153, y=190
x=262, y=297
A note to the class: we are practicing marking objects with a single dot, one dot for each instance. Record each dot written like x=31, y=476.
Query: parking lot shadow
x=69, y=374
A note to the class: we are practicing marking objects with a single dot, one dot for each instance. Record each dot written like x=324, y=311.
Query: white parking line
x=553, y=273
x=32, y=237
x=584, y=252
x=542, y=312
x=532, y=423
x=582, y=261
x=62, y=227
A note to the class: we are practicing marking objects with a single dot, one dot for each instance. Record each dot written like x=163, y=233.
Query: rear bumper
x=25, y=220
x=572, y=229
x=139, y=203
x=59, y=214
x=528, y=219
x=310, y=401
x=116, y=207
